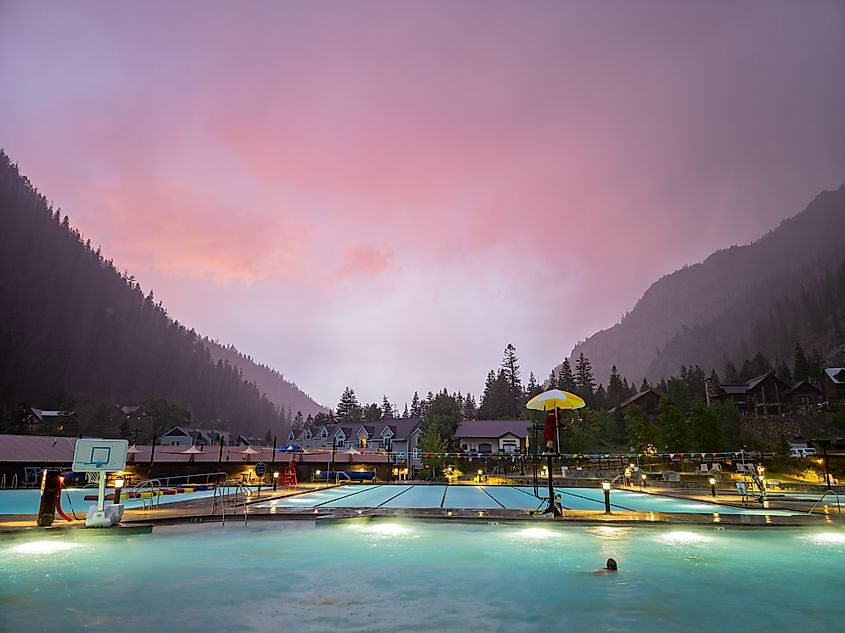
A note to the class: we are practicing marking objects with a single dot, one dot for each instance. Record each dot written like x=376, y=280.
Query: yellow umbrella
x=555, y=398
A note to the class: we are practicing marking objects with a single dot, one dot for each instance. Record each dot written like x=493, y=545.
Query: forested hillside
x=783, y=289
x=282, y=392
x=74, y=330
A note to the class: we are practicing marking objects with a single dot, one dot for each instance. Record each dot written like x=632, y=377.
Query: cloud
x=363, y=259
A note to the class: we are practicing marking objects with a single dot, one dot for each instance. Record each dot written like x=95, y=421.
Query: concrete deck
x=199, y=511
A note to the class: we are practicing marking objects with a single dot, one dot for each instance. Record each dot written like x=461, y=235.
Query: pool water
x=27, y=501
x=496, y=497
x=369, y=577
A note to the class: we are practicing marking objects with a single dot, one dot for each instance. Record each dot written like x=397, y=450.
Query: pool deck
x=199, y=511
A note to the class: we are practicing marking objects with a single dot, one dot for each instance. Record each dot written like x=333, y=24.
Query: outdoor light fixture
x=605, y=485
x=642, y=479
x=275, y=480
x=118, y=487
x=713, y=486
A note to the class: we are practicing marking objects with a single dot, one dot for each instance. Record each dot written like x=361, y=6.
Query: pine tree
x=386, y=408
x=348, y=409
x=532, y=388
x=552, y=380
x=416, y=409
x=644, y=386
x=616, y=390
x=510, y=367
x=470, y=408
x=801, y=367
x=298, y=422
x=565, y=377
x=584, y=382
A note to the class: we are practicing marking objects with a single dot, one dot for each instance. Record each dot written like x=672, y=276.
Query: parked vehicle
x=800, y=453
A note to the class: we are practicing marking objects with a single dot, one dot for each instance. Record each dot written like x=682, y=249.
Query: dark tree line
x=76, y=332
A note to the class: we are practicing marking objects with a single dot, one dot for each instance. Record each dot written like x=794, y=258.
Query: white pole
x=101, y=497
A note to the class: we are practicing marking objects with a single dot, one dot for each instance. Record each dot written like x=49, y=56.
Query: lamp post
x=605, y=485
x=480, y=473
x=823, y=444
x=275, y=480
x=713, y=486
x=642, y=480
x=118, y=487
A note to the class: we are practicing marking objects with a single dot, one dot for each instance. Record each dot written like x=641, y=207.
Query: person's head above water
x=611, y=565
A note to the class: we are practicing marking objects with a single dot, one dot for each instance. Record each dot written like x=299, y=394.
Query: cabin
x=763, y=395
x=833, y=384
x=487, y=437
x=648, y=401
x=803, y=396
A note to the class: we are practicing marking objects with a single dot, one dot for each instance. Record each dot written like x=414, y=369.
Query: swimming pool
x=385, y=576
x=496, y=497
x=26, y=501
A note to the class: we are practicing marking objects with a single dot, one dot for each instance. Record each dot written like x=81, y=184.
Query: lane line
x=396, y=495
x=357, y=492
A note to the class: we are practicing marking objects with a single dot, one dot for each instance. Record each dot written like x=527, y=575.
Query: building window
x=804, y=399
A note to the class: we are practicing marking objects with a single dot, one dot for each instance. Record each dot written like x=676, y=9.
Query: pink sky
x=384, y=195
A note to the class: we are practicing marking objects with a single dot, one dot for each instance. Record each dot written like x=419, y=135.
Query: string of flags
x=515, y=456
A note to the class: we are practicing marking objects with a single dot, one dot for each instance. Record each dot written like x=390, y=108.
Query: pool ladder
x=234, y=492
x=151, y=486
x=829, y=491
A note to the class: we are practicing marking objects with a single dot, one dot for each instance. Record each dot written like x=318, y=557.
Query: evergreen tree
x=533, y=388
x=600, y=399
x=801, y=367
x=552, y=380
x=348, y=409
x=616, y=390
x=731, y=374
x=565, y=377
x=782, y=371
x=705, y=427
x=674, y=427
x=470, y=408
x=416, y=408
x=298, y=422
x=644, y=386
x=387, y=409
x=510, y=369
x=585, y=384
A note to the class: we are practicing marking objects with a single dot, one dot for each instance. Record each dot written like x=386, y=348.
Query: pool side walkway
x=199, y=511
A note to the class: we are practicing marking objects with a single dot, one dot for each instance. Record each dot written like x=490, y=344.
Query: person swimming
x=609, y=566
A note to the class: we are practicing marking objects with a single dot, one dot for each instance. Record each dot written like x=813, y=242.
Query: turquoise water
x=387, y=576
x=27, y=501
x=496, y=497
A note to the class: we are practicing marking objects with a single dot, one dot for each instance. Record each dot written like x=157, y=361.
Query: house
x=763, y=395
x=503, y=437
x=177, y=436
x=180, y=436
x=648, y=401
x=803, y=395
x=833, y=384
x=319, y=436
x=50, y=421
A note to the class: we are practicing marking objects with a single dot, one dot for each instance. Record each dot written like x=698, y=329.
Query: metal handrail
x=154, y=488
x=167, y=480
x=827, y=492
x=240, y=495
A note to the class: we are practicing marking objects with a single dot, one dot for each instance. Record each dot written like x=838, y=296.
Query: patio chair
x=742, y=489
x=704, y=469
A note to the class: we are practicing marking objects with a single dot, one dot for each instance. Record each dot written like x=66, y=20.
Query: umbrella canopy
x=249, y=451
x=352, y=451
x=133, y=449
x=555, y=398
x=193, y=450
x=291, y=448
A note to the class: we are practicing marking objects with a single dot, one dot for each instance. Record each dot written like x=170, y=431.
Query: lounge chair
x=704, y=469
x=742, y=489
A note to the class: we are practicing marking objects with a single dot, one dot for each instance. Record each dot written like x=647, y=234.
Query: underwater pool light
x=677, y=537
x=386, y=529
x=537, y=532
x=42, y=547
x=827, y=538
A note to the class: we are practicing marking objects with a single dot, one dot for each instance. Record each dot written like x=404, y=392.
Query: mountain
x=784, y=288
x=282, y=392
x=75, y=332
